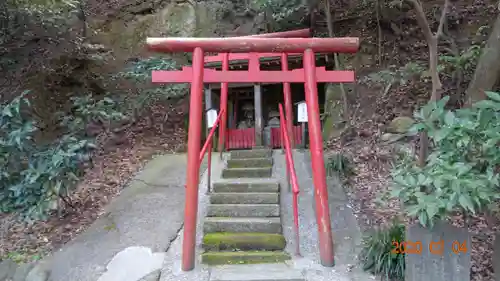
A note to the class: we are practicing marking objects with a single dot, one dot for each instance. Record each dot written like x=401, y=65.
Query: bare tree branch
x=432, y=44
x=422, y=19
x=424, y=24
x=442, y=20
x=336, y=60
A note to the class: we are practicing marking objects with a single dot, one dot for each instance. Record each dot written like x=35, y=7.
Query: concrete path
x=141, y=232
x=347, y=236
x=139, y=224
x=346, y=232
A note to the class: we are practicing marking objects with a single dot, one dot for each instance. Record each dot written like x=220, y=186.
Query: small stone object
x=496, y=257
x=390, y=138
x=22, y=271
x=7, y=269
x=132, y=264
x=274, y=122
x=400, y=125
x=39, y=272
x=444, y=255
x=274, y=113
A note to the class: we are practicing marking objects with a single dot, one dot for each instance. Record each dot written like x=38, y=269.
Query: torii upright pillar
x=310, y=75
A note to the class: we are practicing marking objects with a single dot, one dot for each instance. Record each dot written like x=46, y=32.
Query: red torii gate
x=196, y=75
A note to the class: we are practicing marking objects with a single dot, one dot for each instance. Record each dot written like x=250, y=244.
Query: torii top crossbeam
x=253, y=44
x=299, y=33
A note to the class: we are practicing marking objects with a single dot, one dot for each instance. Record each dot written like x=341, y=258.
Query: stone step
x=247, y=186
x=232, y=173
x=256, y=272
x=250, y=163
x=222, y=224
x=243, y=241
x=220, y=258
x=255, y=153
x=244, y=198
x=243, y=210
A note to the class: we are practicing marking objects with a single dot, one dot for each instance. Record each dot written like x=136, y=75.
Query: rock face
x=334, y=125
x=7, y=269
x=10, y=271
x=133, y=264
x=126, y=33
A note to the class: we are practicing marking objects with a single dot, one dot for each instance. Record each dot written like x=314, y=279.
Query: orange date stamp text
x=435, y=247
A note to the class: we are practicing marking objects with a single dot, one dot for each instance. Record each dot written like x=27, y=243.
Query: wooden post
x=193, y=165
x=258, y=114
x=208, y=104
x=223, y=106
x=287, y=98
x=254, y=67
x=303, y=128
x=235, y=112
x=318, y=163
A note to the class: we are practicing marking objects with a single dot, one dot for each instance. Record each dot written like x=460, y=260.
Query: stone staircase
x=243, y=224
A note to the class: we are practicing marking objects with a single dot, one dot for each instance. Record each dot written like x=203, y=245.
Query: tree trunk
x=336, y=59
x=488, y=68
x=437, y=86
x=336, y=105
x=432, y=43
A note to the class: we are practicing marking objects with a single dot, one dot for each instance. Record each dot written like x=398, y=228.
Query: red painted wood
x=252, y=44
x=244, y=56
x=299, y=33
x=240, y=138
x=323, y=222
x=287, y=97
x=292, y=178
x=193, y=162
x=224, y=90
x=276, y=136
x=258, y=76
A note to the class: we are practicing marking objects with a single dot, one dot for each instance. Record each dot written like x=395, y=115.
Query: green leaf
x=487, y=104
x=422, y=218
x=449, y=118
x=432, y=210
x=493, y=95
x=441, y=103
x=413, y=210
x=466, y=202
x=7, y=111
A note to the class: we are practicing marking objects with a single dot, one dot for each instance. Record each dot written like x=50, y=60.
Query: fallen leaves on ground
x=113, y=166
x=372, y=161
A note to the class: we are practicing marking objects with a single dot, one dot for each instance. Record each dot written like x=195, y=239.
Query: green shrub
x=462, y=172
x=378, y=256
x=339, y=164
x=34, y=176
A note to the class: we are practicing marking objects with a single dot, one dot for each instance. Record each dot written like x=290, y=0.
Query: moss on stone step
x=261, y=172
x=250, y=163
x=253, y=257
x=243, y=241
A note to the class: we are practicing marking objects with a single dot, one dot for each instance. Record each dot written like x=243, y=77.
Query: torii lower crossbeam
x=260, y=76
